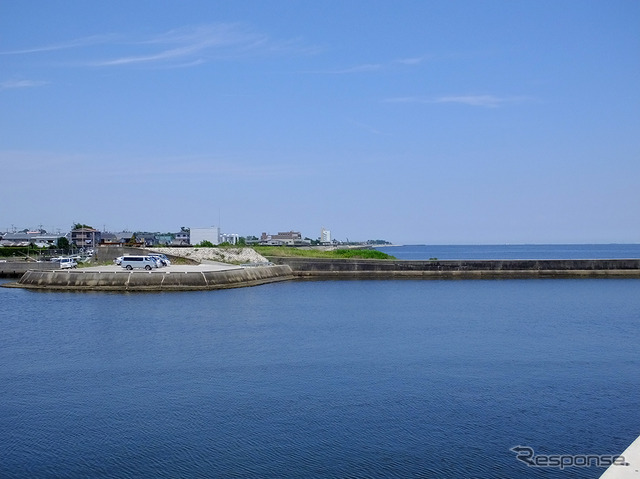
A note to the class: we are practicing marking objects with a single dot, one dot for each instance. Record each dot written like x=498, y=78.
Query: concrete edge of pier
x=156, y=280
x=320, y=268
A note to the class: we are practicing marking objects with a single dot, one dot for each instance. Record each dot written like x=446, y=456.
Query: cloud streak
x=484, y=101
x=76, y=43
x=410, y=61
x=181, y=47
x=377, y=67
x=489, y=101
x=13, y=84
x=365, y=67
x=192, y=43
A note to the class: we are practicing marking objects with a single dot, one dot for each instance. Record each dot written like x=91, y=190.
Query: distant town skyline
x=440, y=122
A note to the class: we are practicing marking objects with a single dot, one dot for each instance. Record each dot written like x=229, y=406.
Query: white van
x=67, y=263
x=130, y=262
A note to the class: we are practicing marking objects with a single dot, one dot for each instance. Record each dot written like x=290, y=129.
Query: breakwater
x=164, y=280
x=15, y=269
x=40, y=276
x=314, y=268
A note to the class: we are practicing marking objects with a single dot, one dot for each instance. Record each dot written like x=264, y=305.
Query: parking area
x=180, y=268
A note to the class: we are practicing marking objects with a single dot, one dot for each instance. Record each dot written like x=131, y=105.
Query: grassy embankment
x=318, y=253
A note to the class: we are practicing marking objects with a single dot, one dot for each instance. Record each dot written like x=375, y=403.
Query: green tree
x=63, y=243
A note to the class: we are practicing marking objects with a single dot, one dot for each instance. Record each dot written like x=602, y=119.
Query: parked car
x=164, y=261
x=68, y=263
x=130, y=262
x=118, y=260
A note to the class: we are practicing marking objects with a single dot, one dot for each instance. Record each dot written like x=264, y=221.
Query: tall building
x=325, y=236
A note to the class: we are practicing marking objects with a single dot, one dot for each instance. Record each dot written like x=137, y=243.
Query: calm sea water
x=536, y=251
x=359, y=379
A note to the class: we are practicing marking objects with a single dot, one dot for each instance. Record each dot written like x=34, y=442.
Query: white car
x=118, y=260
x=68, y=263
x=161, y=258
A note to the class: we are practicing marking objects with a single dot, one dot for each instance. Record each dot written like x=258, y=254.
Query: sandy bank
x=224, y=255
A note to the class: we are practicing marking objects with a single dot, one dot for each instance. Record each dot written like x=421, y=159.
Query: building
x=325, y=236
x=288, y=238
x=198, y=235
x=108, y=238
x=119, y=238
x=231, y=238
x=181, y=238
x=85, y=237
x=149, y=239
x=45, y=240
x=39, y=238
x=164, y=239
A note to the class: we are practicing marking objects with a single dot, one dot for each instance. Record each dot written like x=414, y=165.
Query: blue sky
x=414, y=121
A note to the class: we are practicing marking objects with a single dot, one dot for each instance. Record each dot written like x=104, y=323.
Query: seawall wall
x=364, y=268
x=15, y=269
x=79, y=280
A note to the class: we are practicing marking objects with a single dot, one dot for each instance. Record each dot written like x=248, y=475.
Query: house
x=149, y=239
x=120, y=238
x=181, y=238
x=108, y=238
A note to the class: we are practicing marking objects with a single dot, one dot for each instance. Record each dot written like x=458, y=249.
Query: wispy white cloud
x=367, y=127
x=76, y=43
x=195, y=43
x=408, y=99
x=366, y=67
x=490, y=101
x=486, y=101
x=410, y=61
x=12, y=84
x=376, y=67
x=178, y=48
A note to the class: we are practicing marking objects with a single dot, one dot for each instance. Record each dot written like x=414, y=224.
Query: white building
x=198, y=235
x=325, y=236
x=231, y=238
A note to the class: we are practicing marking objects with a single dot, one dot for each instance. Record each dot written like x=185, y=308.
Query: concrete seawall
x=204, y=277
x=315, y=268
x=79, y=280
x=15, y=269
